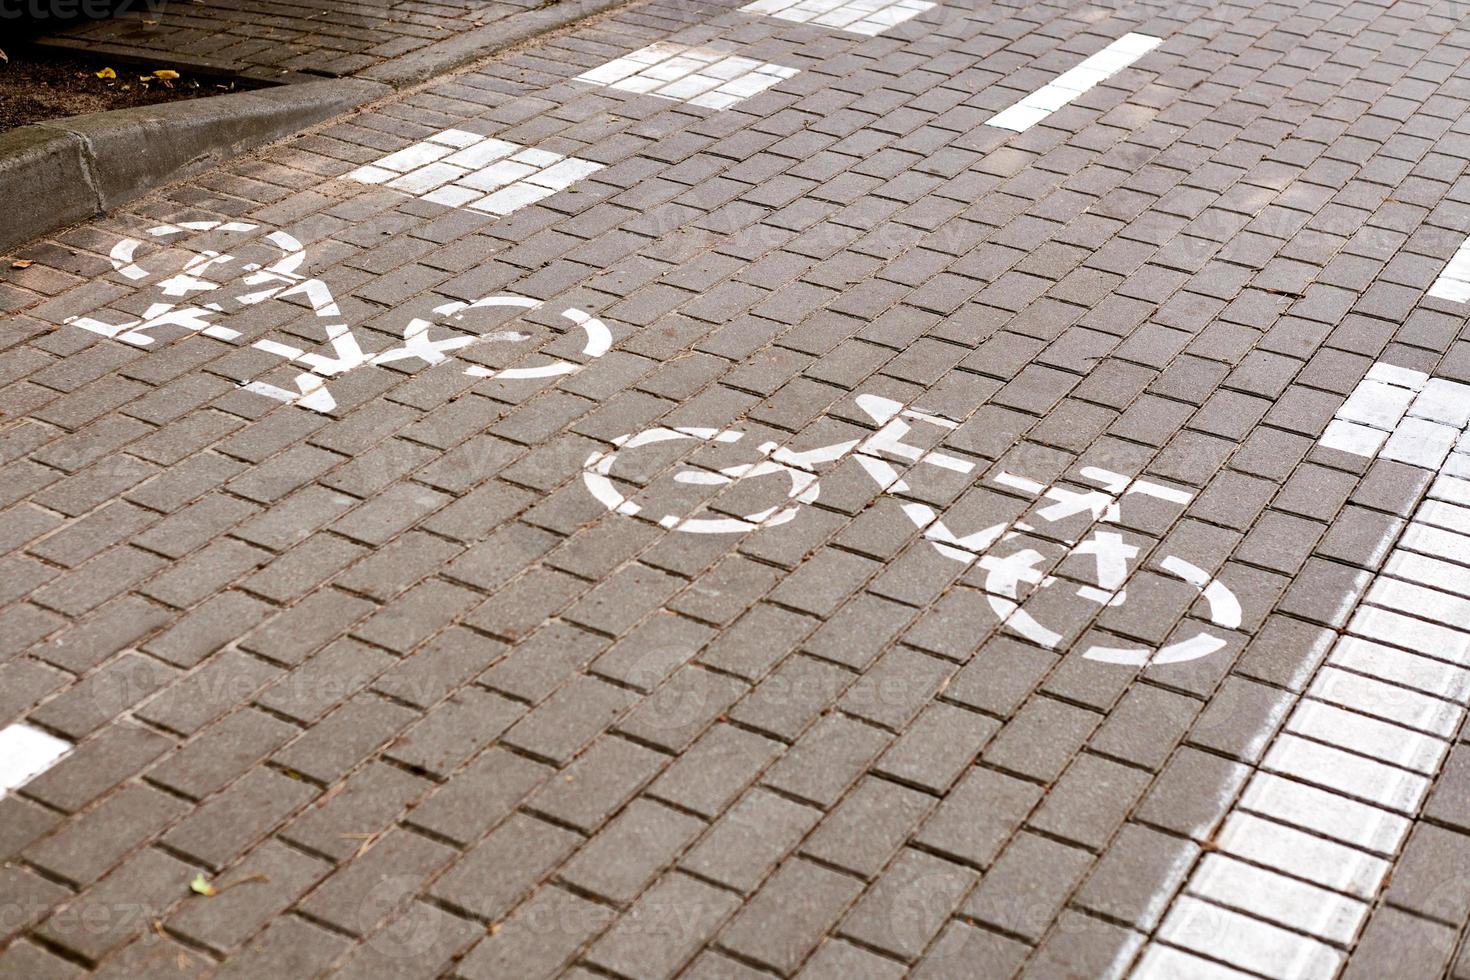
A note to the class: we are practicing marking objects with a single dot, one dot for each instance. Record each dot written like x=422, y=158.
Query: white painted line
x=25, y=753
x=698, y=76
x=1376, y=739
x=1344, y=772
x=1387, y=702
x=1353, y=762
x=1070, y=84
x=1433, y=677
x=459, y=169
x=1403, y=415
x=1304, y=907
x=1301, y=855
x=1167, y=963
x=1453, y=283
x=1249, y=943
x=1358, y=824
x=870, y=17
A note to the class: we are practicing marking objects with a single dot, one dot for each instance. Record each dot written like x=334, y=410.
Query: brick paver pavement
x=285, y=37
x=694, y=498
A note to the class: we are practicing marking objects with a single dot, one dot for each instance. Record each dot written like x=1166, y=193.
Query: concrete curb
x=56, y=173
x=455, y=52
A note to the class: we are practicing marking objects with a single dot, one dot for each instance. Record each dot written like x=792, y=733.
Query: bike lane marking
x=280, y=279
x=870, y=17
x=25, y=753
x=1012, y=580
x=1068, y=86
x=1305, y=849
x=1453, y=283
x=702, y=76
x=459, y=169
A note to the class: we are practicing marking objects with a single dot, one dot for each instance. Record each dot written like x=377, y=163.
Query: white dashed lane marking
x=1453, y=283
x=1403, y=415
x=871, y=17
x=460, y=169
x=25, y=753
x=1069, y=85
x=699, y=76
x=1308, y=846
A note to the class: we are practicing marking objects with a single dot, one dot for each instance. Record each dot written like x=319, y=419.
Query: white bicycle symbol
x=1010, y=578
x=276, y=274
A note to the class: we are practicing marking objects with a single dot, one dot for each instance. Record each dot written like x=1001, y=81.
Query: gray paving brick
x=33, y=896
x=1080, y=942
x=715, y=770
x=454, y=730
x=622, y=599
x=757, y=641
x=1395, y=942
x=86, y=848
x=561, y=726
x=393, y=567
x=867, y=828
x=422, y=938
x=1025, y=888
x=598, y=784
x=1140, y=864
x=344, y=738
x=652, y=650
x=504, y=867
x=443, y=664
x=235, y=820
x=227, y=920
x=791, y=697
x=289, y=946
x=1088, y=804
x=789, y=915
x=337, y=824
x=539, y=938
x=683, y=707
x=391, y=869
x=24, y=959
x=95, y=766
x=1041, y=739
x=903, y=912
x=963, y=949
x=631, y=851
x=207, y=628
x=827, y=759
x=1176, y=802
x=487, y=791
x=88, y=585
x=303, y=567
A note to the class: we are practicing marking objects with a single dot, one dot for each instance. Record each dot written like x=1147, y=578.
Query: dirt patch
x=37, y=85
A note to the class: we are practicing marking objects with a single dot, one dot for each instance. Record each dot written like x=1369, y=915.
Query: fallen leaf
x=22, y=264
x=167, y=74
x=202, y=886
x=107, y=73
x=3, y=56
